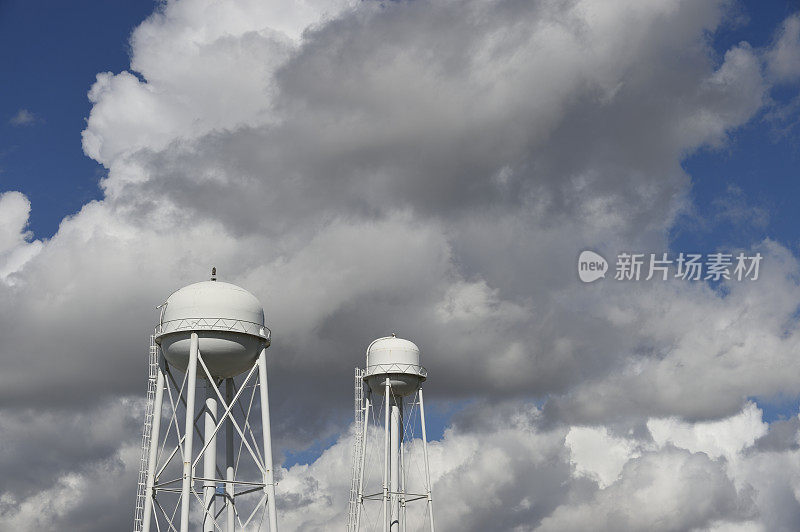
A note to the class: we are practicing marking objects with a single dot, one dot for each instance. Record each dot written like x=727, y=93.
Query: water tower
x=211, y=335
x=394, y=376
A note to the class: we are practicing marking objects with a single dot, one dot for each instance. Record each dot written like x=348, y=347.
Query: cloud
x=79, y=471
x=598, y=454
x=24, y=118
x=500, y=479
x=505, y=471
x=323, y=158
x=719, y=438
x=16, y=247
x=670, y=490
x=203, y=66
x=783, y=58
x=733, y=208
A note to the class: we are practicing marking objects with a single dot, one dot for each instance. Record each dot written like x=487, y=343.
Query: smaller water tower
x=213, y=334
x=394, y=376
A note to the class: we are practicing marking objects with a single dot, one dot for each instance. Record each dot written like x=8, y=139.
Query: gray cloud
x=670, y=490
x=782, y=436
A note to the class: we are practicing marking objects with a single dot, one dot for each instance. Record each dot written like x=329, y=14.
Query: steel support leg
x=230, y=519
x=210, y=459
x=394, y=460
x=269, y=478
x=425, y=454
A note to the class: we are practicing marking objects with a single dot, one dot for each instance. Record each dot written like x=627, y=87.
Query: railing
x=381, y=369
x=213, y=324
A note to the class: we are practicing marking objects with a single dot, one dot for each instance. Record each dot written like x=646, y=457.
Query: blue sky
x=50, y=53
x=761, y=158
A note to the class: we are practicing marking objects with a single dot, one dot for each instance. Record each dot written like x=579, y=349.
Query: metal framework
x=398, y=434
x=238, y=494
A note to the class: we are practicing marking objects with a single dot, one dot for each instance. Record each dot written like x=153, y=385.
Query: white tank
x=228, y=320
x=399, y=361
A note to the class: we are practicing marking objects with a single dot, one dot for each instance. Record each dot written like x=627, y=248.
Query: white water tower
x=212, y=333
x=394, y=376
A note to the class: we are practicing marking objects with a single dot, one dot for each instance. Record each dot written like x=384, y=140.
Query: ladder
x=358, y=404
x=141, y=489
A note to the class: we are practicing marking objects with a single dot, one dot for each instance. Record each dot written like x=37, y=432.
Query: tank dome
x=396, y=359
x=213, y=299
x=228, y=320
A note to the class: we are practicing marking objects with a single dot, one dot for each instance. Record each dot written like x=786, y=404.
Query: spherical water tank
x=228, y=320
x=395, y=359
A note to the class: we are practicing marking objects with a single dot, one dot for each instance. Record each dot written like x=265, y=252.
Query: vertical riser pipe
x=191, y=378
x=396, y=428
x=210, y=460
